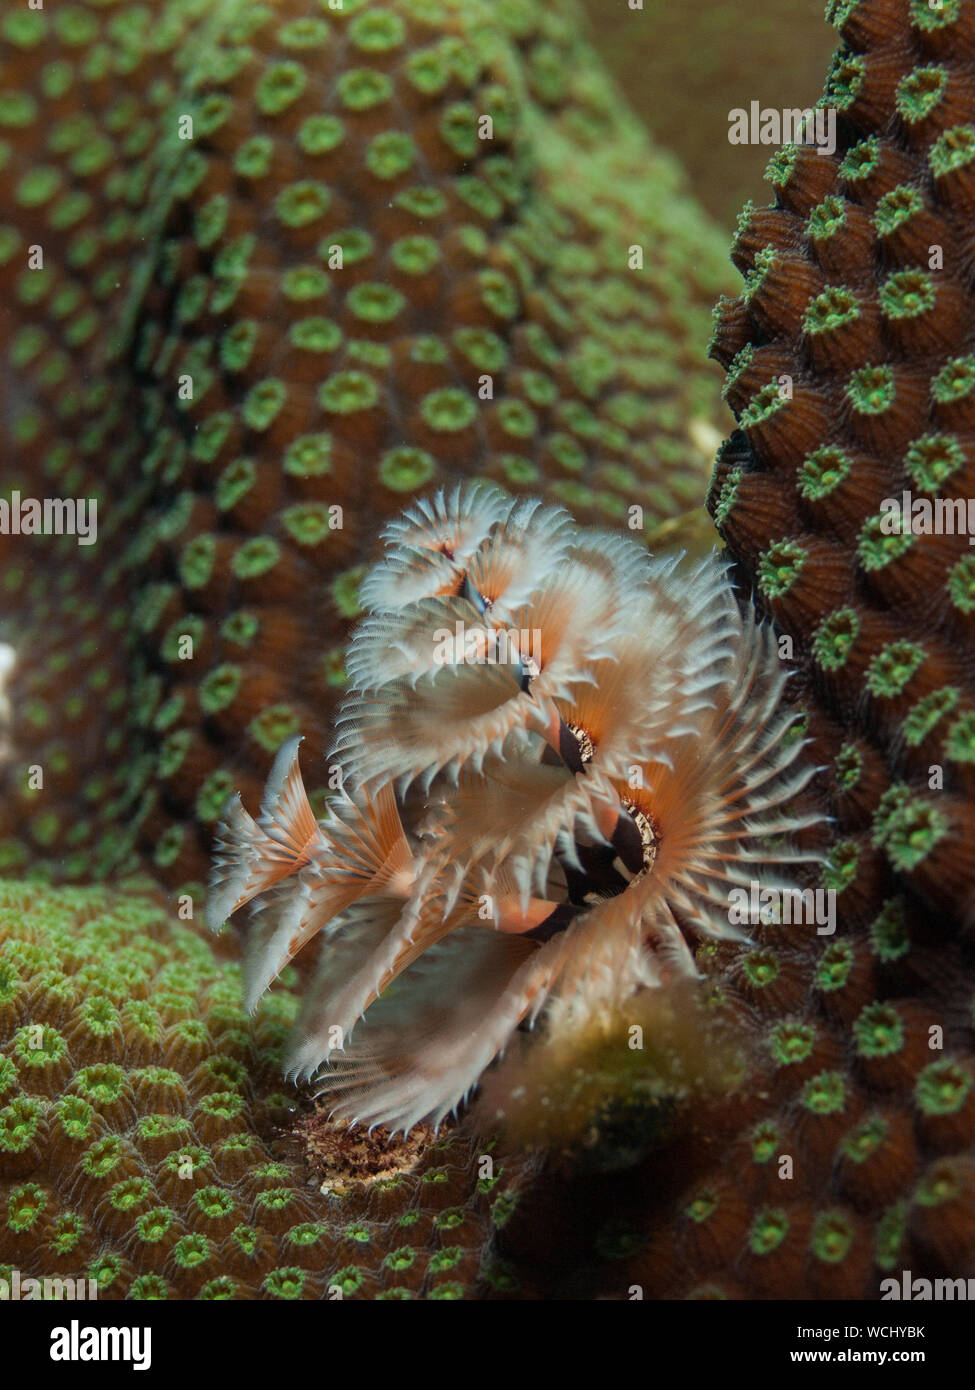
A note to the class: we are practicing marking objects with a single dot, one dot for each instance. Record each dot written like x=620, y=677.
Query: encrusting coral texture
x=836, y=1145
x=141, y=1124
x=266, y=272
x=558, y=761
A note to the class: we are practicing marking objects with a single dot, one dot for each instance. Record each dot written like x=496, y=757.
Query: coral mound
x=844, y=497
x=300, y=261
x=144, y=1142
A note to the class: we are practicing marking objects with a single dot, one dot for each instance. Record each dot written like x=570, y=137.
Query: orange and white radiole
x=520, y=840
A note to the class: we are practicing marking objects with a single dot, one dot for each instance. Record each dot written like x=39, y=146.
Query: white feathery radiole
x=560, y=756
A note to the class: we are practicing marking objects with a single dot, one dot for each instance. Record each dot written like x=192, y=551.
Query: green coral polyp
x=929, y=18
x=766, y=403
x=345, y=393
x=960, y=743
x=273, y=725
x=769, y=1229
x=933, y=459
x=907, y=294
x=302, y=203
x=824, y=1094
x=953, y=150
x=484, y=349
x=253, y=159
x=878, y=546
x=765, y=1141
x=834, y=966
x=889, y=938
x=391, y=155
x=364, y=88
x=42, y=1053
x=878, y=1032
x=848, y=766
x=830, y=310
x=832, y=1237
x=315, y=334
x=865, y=1140
x=415, y=255
x=702, y=1207
x=219, y=689
x=910, y=831
x=280, y=86
x=517, y=418
x=19, y=1124
x=38, y=186
x=961, y=584
x=192, y=1250
x=845, y=80
x=406, y=469
x=499, y=294
x=153, y=1226
x=263, y=403
x=780, y=567
x=920, y=92
x=256, y=557
x=834, y=639
x=955, y=381
x=841, y=868
x=303, y=282
x=102, y=1085
x=304, y=33
x=104, y=1157
x=377, y=31
x=449, y=410
x=197, y=561
x=761, y=968
x=235, y=482
x=213, y=795
x=872, y=390
x=320, y=135
x=792, y=1043
x=860, y=160
x=25, y=1205
x=893, y=667
x=309, y=456
x=375, y=303
x=131, y=1193
x=943, y=1088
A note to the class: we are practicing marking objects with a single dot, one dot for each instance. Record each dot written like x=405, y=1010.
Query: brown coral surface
x=266, y=271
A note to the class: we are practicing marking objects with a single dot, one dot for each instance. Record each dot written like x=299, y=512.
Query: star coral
x=299, y=262
x=859, y=291
x=141, y=1130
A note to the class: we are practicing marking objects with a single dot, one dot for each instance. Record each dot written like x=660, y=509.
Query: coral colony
x=288, y=284
x=656, y=871
x=535, y=839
